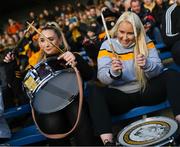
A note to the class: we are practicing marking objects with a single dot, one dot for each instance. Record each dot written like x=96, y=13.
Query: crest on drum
x=149, y=131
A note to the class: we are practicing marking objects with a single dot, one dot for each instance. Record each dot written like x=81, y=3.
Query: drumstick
x=31, y=26
x=65, y=41
x=108, y=37
x=20, y=41
x=109, y=40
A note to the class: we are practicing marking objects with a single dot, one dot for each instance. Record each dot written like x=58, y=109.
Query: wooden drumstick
x=108, y=37
x=31, y=26
x=20, y=41
x=27, y=30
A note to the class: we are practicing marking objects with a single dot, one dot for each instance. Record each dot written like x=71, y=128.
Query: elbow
x=104, y=81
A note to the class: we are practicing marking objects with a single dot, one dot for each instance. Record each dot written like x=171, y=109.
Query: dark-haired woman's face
x=125, y=34
x=48, y=48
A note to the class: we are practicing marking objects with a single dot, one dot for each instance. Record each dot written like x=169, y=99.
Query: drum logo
x=146, y=132
x=30, y=83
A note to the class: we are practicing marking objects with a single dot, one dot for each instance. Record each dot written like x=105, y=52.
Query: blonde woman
x=133, y=76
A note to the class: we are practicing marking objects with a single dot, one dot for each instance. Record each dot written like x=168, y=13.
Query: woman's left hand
x=69, y=58
x=141, y=60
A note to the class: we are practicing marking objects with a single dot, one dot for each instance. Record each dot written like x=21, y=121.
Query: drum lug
x=35, y=74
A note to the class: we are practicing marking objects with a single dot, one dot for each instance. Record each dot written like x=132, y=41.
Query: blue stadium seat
x=138, y=111
x=168, y=55
x=23, y=136
x=160, y=46
x=17, y=111
x=165, y=55
x=174, y=66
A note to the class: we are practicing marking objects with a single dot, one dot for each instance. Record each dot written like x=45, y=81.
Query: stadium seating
x=30, y=134
x=138, y=111
x=24, y=136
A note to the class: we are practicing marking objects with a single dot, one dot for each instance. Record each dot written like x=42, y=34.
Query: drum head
x=57, y=93
x=149, y=131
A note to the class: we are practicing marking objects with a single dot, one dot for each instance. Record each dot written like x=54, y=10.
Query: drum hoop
x=49, y=77
x=40, y=83
x=173, y=129
x=45, y=61
x=39, y=64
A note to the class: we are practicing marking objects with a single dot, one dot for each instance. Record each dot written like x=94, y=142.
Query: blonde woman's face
x=125, y=34
x=48, y=48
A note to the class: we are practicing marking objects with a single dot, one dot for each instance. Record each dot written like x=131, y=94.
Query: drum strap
x=58, y=136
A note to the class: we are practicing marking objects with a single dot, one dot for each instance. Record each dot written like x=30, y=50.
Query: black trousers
x=105, y=102
x=176, y=52
x=63, y=120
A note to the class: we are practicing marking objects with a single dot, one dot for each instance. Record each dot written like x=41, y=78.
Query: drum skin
x=152, y=131
x=51, y=86
x=56, y=94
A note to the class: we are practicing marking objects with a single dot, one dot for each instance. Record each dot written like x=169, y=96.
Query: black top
x=171, y=25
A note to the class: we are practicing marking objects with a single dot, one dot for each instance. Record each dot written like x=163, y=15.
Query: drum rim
x=49, y=77
x=40, y=83
x=174, y=126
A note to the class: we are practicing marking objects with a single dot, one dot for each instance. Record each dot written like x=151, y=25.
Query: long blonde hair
x=55, y=27
x=140, y=43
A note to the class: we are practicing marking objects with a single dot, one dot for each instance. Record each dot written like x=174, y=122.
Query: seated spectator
x=13, y=26
x=119, y=6
x=158, y=11
x=33, y=17
x=171, y=30
x=109, y=16
x=132, y=74
x=5, y=132
x=148, y=21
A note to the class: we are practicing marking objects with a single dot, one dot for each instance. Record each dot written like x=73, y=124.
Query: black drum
x=152, y=131
x=51, y=85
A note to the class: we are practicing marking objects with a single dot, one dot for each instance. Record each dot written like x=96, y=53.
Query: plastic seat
x=138, y=111
x=17, y=111
x=174, y=66
x=160, y=45
x=24, y=136
x=165, y=55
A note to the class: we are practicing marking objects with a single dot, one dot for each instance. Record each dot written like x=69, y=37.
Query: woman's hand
x=141, y=60
x=116, y=65
x=69, y=58
x=9, y=57
x=147, y=27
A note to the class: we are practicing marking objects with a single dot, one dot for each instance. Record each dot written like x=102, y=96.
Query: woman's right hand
x=69, y=57
x=116, y=65
x=9, y=57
